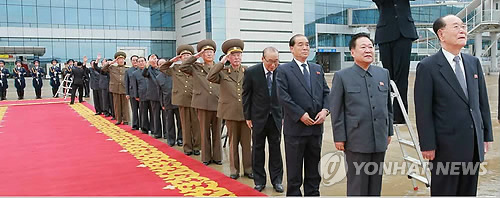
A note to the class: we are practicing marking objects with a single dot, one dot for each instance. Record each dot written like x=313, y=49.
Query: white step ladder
x=65, y=87
x=412, y=143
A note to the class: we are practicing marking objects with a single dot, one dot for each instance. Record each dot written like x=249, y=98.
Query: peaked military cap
x=233, y=45
x=206, y=44
x=120, y=54
x=182, y=49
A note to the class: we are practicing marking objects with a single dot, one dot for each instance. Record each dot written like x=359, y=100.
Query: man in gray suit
x=139, y=92
x=169, y=111
x=362, y=117
x=303, y=93
x=134, y=104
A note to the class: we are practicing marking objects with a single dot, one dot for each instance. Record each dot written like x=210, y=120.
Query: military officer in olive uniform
x=182, y=93
x=117, y=87
x=230, y=106
x=204, y=100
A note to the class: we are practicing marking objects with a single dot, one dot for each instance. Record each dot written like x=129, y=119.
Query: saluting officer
x=204, y=100
x=230, y=106
x=37, y=73
x=117, y=87
x=19, y=82
x=4, y=74
x=54, y=72
x=181, y=96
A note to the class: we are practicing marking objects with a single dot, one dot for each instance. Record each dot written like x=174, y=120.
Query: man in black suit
x=134, y=104
x=96, y=90
x=303, y=93
x=140, y=92
x=452, y=111
x=153, y=95
x=169, y=111
x=78, y=76
x=395, y=33
x=263, y=115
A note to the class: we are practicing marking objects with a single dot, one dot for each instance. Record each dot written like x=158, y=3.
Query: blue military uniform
x=19, y=81
x=37, y=73
x=4, y=74
x=55, y=82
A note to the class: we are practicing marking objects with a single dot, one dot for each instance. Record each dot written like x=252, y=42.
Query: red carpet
x=53, y=150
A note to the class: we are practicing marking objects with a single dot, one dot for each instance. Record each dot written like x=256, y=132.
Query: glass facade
x=64, y=49
x=150, y=15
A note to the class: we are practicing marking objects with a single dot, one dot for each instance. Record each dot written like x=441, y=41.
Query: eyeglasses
x=275, y=62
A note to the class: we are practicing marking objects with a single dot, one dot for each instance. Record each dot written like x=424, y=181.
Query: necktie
x=269, y=82
x=307, y=78
x=460, y=75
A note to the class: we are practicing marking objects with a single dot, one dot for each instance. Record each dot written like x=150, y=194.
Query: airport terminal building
x=64, y=29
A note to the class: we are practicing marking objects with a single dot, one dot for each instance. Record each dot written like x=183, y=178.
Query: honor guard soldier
x=134, y=104
x=182, y=93
x=230, y=106
x=4, y=74
x=19, y=82
x=54, y=72
x=117, y=87
x=37, y=73
x=204, y=100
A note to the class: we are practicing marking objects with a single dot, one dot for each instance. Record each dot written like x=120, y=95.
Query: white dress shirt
x=449, y=57
x=300, y=65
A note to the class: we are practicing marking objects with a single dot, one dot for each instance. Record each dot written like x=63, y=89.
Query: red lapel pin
x=318, y=73
x=381, y=83
x=475, y=76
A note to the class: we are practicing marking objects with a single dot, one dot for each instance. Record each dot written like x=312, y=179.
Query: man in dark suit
x=303, y=93
x=134, y=104
x=96, y=90
x=139, y=92
x=153, y=95
x=362, y=117
x=78, y=76
x=452, y=111
x=263, y=115
x=395, y=33
x=169, y=111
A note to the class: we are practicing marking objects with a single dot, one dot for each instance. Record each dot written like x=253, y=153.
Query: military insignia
x=381, y=83
x=475, y=76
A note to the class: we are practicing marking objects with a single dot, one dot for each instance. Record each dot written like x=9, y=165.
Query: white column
x=478, y=45
x=494, y=51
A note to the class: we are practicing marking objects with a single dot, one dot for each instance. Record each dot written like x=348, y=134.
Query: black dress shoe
x=278, y=188
x=179, y=142
x=196, y=152
x=117, y=123
x=188, y=153
x=135, y=128
x=98, y=113
x=259, y=187
x=217, y=162
x=249, y=175
x=235, y=176
x=144, y=132
x=171, y=144
x=157, y=136
x=206, y=163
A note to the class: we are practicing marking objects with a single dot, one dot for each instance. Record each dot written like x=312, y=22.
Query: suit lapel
x=450, y=76
x=313, y=75
x=262, y=77
x=300, y=76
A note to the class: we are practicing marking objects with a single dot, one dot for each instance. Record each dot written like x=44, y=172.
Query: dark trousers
x=105, y=101
x=111, y=104
x=273, y=136
x=134, y=105
x=20, y=94
x=168, y=116
x=303, y=150
x=3, y=93
x=73, y=93
x=462, y=184
x=97, y=100
x=155, y=118
x=38, y=92
x=86, y=86
x=395, y=57
x=367, y=179
x=144, y=112
x=54, y=91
